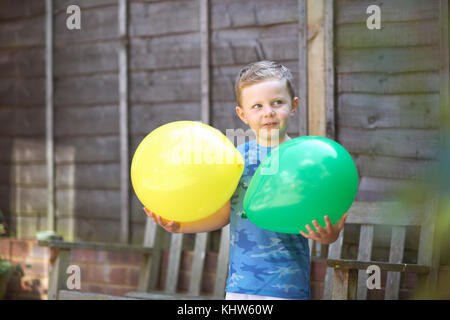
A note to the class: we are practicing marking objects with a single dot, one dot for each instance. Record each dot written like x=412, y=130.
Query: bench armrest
x=384, y=266
x=94, y=246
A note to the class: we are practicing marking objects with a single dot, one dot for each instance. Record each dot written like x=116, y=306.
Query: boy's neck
x=272, y=142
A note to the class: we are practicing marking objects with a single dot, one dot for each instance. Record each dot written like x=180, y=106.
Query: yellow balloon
x=185, y=170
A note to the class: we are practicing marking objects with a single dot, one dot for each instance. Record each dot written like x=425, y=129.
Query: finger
x=329, y=226
x=312, y=233
x=305, y=235
x=342, y=221
x=317, y=226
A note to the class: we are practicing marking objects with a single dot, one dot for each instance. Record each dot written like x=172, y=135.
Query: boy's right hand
x=171, y=226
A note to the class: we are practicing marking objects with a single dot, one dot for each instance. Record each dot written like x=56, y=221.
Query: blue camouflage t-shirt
x=263, y=262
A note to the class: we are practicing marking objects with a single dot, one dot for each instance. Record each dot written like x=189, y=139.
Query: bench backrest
x=394, y=214
x=151, y=272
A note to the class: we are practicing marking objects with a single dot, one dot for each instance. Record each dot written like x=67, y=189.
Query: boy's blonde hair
x=260, y=71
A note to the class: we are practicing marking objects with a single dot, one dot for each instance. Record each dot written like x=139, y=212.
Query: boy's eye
x=256, y=106
x=278, y=102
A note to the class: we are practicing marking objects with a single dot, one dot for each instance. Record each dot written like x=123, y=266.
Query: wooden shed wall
x=164, y=86
x=387, y=100
x=387, y=95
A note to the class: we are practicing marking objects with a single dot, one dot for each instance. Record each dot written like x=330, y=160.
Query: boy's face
x=266, y=107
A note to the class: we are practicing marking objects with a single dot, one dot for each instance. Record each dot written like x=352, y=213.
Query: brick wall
x=116, y=273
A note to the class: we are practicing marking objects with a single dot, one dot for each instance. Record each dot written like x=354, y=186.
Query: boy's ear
x=295, y=101
x=241, y=114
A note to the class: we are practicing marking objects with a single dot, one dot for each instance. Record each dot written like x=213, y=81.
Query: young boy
x=262, y=264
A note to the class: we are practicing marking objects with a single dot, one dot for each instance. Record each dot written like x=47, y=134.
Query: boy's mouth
x=269, y=124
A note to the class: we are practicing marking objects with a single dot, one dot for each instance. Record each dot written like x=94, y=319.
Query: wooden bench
x=347, y=278
x=151, y=250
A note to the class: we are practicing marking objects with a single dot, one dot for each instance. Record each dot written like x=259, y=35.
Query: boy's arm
x=213, y=222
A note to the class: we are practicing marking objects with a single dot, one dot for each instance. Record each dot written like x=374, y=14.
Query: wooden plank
x=385, y=83
x=222, y=263
x=148, y=279
x=303, y=111
x=90, y=89
x=392, y=167
x=86, y=58
x=99, y=24
x=241, y=46
x=24, y=122
x=412, y=59
x=205, y=61
x=334, y=252
x=166, y=17
x=22, y=92
x=413, y=143
x=86, y=149
x=316, y=67
x=391, y=213
x=201, y=240
x=22, y=149
x=330, y=129
x=23, y=62
x=166, y=86
x=57, y=278
x=396, y=34
x=97, y=246
x=144, y=118
x=444, y=74
x=340, y=284
x=79, y=121
x=364, y=254
x=76, y=295
x=164, y=296
x=23, y=33
x=384, y=266
x=125, y=232
x=393, y=11
x=11, y=9
x=371, y=111
x=395, y=256
x=235, y=14
x=173, y=271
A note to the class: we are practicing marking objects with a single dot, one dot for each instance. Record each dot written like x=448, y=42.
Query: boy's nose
x=268, y=110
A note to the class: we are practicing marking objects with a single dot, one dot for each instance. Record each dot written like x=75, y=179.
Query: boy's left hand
x=326, y=235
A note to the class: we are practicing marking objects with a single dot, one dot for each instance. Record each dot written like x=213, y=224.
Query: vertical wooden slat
x=58, y=277
x=334, y=252
x=50, y=158
x=340, y=284
x=303, y=68
x=364, y=254
x=176, y=245
x=428, y=252
x=123, y=119
x=395, y=256
x=329, y=69
x=150, y=267
x=201, y=241
x=222, y=262
x=205, y=61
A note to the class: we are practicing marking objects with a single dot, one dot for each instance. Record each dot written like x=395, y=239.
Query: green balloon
x=302, y=180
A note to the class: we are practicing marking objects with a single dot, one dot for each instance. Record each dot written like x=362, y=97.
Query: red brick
x=211, y=261
x=208, y=282
x=133, y=276
x=118, y=275
x=5, y=248
x=316, y=290
x=117, y=257
x=20, y=248
x=187, y=257
x=318, y=269
x=80, y=255
x=94, y=288
x=119, y=291
x=39, y=252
